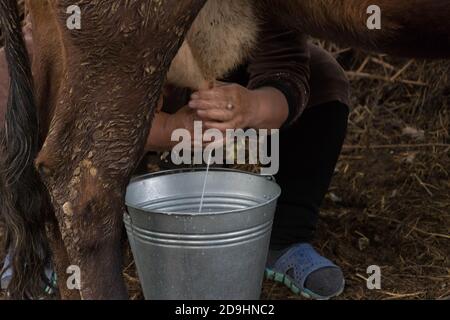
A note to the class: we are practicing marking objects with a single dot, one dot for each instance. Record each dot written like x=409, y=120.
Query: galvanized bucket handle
x=184, y=170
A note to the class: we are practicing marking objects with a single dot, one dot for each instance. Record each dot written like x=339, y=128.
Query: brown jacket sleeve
x=282, y=61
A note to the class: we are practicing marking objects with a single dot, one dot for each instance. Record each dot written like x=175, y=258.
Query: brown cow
x=94, y=125
x=89, y=129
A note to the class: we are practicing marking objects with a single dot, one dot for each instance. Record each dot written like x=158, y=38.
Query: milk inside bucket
x=217, y=252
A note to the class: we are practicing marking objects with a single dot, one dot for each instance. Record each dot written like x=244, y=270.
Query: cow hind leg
x=86, y=163
x=100, y=125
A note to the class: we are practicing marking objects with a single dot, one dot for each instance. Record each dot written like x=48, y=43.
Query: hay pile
x=389, y=203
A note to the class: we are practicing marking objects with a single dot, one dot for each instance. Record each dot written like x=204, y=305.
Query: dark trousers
x=309, y=151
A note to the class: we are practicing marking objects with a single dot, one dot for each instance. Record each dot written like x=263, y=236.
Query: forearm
x=271, y=108
x=159, y=138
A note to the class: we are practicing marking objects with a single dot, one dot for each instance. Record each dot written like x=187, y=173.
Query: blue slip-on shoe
x=301, y=264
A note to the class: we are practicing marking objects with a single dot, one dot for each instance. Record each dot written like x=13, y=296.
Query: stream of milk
x=204, y=182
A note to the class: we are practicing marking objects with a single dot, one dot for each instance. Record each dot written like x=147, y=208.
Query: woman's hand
x=227, y=106
x=231, y=106
x=224, y=107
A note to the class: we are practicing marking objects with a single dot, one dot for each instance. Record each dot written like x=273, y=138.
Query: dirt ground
x=389, y=203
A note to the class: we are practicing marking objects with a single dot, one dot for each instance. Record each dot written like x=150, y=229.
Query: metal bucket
x=219, y=254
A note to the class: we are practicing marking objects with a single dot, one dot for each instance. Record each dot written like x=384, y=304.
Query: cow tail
x=21, y=200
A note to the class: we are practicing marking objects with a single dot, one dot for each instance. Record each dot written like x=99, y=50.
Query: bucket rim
x=268, y=178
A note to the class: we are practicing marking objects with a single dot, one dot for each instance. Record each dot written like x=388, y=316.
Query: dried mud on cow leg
x=100, y=126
